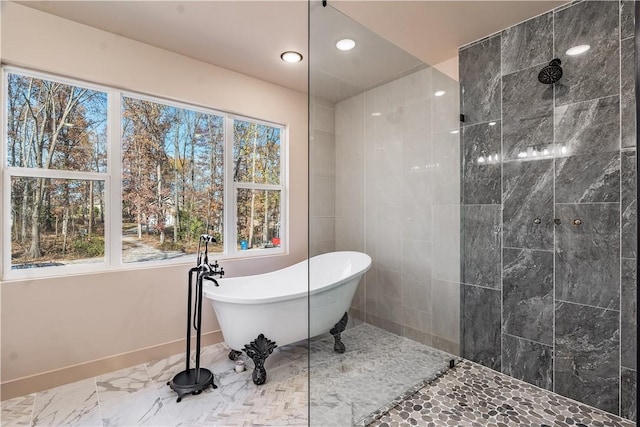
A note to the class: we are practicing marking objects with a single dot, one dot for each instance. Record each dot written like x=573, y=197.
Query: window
x=172, y=180
x=257, y=180
x=96, y=178
x=55, y=139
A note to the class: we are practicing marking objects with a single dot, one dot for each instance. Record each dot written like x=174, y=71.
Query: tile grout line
x=95, y=384
x=586, y=305
x=479, y=286
x=589, y=203
x=161, y=401
x=526, y=339
x=513, y=248
x=555, y=249
x=33, y=408
x=586, y=101
x=501, y=212
x=620, y=209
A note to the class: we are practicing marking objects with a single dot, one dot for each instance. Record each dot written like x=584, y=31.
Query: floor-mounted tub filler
x=195, y=380
x=310, y=298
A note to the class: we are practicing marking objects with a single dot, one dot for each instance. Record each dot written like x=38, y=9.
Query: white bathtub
x=277, y=304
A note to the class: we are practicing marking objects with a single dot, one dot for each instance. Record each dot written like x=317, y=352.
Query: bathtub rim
x=208, y=287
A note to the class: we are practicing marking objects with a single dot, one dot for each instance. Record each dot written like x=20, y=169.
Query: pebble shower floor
x=475, y=396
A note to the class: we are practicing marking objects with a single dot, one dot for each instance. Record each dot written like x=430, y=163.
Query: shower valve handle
x=208, y=238
x=216, y=269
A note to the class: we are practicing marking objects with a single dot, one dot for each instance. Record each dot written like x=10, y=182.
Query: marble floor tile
x=140, y=408
x=194, y=410
x=378, y=371
x=123, y=382
x=215, y=358
x=74, y=404
x=234, y=386
x=17, y=411
x=298, y=351
x=163, y=370
x=379, y=368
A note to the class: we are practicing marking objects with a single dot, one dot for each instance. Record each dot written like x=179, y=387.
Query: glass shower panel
x=384, y=172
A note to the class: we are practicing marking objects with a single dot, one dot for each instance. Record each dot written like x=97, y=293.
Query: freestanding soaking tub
x=257, y=313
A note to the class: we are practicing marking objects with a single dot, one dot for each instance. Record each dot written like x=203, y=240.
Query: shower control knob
x=537, y=221
x=557, y=221
x=577, y=222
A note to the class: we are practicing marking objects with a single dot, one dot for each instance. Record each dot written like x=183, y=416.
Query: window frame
x=235, y=186
x=112, y=178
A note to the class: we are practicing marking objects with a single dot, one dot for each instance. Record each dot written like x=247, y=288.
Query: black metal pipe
x=191, y=271
x=199, y=323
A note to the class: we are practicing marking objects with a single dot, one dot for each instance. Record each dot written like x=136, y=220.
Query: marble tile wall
x=546, y=299
x=322, y=177
x=398, y=199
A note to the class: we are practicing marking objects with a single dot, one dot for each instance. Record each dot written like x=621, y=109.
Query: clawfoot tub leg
x=338, y=329
x=258, y=350
x=234, y=354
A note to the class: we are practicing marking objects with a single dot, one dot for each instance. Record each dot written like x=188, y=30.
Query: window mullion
x=230, y=232
x=113, y=226
x=5, y=210
x=56, y=174
x=254, y=186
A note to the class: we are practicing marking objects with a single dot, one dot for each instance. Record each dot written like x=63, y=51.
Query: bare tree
x=48, y=127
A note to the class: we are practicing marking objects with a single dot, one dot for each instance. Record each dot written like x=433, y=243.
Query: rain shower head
x=551, y=73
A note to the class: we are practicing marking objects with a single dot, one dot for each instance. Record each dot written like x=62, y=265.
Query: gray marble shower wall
x=549, y=205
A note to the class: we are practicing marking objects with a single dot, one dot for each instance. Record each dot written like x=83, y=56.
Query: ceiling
x=337, y=75
x=249, y=36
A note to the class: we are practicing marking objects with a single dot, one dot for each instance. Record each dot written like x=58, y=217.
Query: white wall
x=53, y=324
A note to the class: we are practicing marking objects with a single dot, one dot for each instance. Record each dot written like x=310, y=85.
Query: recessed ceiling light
x=346, y=44
x=577, y=50
x=291, y=56
x=439, y=93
